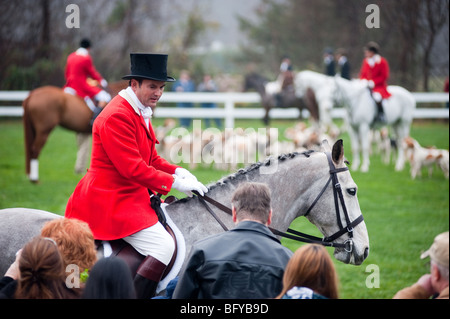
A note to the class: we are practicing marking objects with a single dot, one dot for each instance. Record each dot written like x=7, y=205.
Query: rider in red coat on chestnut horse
x=79, y=68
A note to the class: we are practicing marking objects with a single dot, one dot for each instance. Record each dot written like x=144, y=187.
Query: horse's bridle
x=299, y=236
x=338, y=197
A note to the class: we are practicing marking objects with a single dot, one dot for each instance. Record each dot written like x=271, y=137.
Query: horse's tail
x=312, y=104
x=29, y=132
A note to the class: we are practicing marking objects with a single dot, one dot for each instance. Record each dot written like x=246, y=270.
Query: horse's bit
x=299, y=236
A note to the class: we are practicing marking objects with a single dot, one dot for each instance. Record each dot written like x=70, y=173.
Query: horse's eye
x=351, y=191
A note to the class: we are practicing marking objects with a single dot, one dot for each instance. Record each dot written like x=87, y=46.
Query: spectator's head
x=251, y=201
x=110, y=278
x=75, y=241
x=311, y=266
x=41, y=269
x=438, y=253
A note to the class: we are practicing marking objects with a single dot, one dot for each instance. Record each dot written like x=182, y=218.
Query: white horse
x=361, y=111
x=302, y=184
x=323, y=87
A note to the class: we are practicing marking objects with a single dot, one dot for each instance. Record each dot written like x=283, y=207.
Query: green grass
x=402, y=215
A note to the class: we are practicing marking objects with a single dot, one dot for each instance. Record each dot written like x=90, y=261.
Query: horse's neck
x=315, y=80
x=351, y=93
x=290, y=181
x=289, y=178
x=260, y=86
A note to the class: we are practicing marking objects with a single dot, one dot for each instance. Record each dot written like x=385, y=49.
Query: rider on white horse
x=375, y=70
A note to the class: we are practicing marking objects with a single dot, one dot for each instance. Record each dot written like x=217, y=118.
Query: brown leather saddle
x=131, y=256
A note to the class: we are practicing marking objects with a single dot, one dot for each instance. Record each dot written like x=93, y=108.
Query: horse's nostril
x=366, y=252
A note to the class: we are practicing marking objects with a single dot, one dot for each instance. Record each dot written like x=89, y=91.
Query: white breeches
x=153, y=241
x=377, y=97
x=103, y=96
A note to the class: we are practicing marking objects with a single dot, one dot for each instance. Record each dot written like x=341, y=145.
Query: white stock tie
x=146, y=112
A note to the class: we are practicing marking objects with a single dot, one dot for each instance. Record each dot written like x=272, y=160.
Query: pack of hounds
x=233, y=148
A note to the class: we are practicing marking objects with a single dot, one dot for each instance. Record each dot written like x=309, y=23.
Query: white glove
x=104, y=83
x=184, y=173
x=187, y=185
x=369, y=83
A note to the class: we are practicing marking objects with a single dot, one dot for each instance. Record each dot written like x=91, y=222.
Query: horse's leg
x=354, y=141
x=309, y=102
x=364, y=139
x=29, y=133
x=266, y=116
x=401, y=131
x=83, y=142
x=38, y=144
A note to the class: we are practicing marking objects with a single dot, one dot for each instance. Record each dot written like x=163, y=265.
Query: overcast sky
x=224, y=12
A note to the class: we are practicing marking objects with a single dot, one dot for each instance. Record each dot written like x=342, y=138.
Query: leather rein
x=302, y=237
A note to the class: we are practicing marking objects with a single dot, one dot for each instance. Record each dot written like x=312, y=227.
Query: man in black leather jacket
x=245, y=262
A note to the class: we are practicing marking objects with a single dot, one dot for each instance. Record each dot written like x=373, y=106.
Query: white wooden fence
x=229, y=111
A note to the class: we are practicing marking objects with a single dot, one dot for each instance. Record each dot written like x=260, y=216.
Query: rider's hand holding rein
x=185, y=182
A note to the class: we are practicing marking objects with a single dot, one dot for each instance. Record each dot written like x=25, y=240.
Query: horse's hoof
x=35, y=181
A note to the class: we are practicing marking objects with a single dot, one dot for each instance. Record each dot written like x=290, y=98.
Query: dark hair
x=42, y=273
x=137, y=79
x=373, y=46
x=85, y=43
x=110, y=278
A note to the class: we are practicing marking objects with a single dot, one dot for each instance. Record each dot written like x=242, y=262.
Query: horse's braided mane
x=244, y=171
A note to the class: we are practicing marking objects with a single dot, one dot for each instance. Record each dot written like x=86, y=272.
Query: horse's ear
x=325, y=146
x=338, y=152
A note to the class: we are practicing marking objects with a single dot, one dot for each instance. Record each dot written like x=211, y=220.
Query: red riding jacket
x=112, y=197
x=378, y=73
x=78, y=68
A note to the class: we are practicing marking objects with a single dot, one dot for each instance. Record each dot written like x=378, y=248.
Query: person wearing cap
x=79, y=68
x=375, y=70
x=343, y=63
x=434, y=284
x=113, y=197
x=329, y=63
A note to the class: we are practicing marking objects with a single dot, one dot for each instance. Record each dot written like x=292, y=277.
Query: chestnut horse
x=49, y=106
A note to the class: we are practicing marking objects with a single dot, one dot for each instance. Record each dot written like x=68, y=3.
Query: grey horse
x=299, y=183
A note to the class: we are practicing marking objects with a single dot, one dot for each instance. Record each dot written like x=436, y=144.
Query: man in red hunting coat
x=79, y=68
x=113, y=197
x=375, y=69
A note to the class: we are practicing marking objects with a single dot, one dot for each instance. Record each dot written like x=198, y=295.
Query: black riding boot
x=147, y=277
x=380, y=113
x=96, y=112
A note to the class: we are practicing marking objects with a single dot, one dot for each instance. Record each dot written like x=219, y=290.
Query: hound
x=419, y=157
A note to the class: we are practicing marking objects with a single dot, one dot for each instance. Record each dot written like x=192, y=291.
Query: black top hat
x=149, y=66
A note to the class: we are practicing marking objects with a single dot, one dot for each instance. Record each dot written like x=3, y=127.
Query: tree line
x=35, y=39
